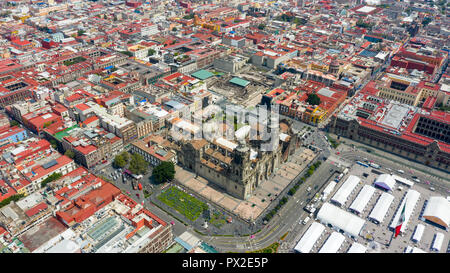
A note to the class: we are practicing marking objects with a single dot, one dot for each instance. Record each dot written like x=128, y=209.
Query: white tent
x=364, y=196
x=357, y=248
x=385, y=181
x=340, y=219
x=411, y=198
x=438, y=211
x=309, y=238
x=437, y=243
x=410, y=249
x=341, y=196
x=403, y=180
x=328, y=189
x=418, y=233
x=333, y=243
x=381, y=207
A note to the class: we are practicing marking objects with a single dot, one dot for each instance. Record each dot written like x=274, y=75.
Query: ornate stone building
x=239, y=168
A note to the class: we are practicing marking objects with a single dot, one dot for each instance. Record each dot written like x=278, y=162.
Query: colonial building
x=240, y=167
x=402, y=129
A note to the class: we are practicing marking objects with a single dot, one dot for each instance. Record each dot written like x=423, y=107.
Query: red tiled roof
x=36, y=209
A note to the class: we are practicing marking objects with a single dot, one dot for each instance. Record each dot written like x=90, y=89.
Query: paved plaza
x=266, y=192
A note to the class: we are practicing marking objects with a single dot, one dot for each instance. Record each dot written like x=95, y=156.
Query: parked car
x=305, y=221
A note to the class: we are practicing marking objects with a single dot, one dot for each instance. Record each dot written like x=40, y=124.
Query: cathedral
x=239, y=167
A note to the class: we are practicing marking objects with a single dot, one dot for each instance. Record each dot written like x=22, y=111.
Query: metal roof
x=239, y=81
x=202, y=74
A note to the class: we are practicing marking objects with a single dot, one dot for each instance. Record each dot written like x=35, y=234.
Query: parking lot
x=378, y=238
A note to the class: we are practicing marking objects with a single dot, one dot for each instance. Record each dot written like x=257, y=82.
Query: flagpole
x=399, y=221
x=392, y=236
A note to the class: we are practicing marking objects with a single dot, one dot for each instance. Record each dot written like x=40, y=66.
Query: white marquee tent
x=357, y=248
x=341, y=196
x=381, y=207
x=340, y=219
x=364, y=196
x=309, y=238
x=418, y=233
x=333, y=243
x=385, y=181
x=438, y=211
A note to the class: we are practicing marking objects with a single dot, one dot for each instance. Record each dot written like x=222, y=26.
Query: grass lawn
x=217, y=219
x=183, y=203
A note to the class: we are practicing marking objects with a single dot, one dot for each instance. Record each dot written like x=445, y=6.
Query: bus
x=362, y=164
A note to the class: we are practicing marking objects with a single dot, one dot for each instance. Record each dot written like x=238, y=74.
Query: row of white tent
x=437, y=240
x=332, y=245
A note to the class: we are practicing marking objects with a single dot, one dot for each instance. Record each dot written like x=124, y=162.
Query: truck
x=140, y=186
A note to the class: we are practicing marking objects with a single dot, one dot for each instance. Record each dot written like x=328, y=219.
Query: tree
x=81, y=32
x=261, y=26
x=189, y=16
x=69, y=153
x=151, y=51
x=163, y=172
x=8, y=200
x=361, y=23
x=426, y=21
x=138, y=165
x=126, y=156
x=128, y=53
x=13, y=123
x=313, y=99
x=52, y=177
x=119, y=161
x=174, y=29
x=54, y=144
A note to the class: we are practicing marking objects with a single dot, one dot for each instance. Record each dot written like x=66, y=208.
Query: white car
x=401, y=171
x=305, y=221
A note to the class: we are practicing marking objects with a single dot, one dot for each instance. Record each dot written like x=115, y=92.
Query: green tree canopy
x=163, y=172
x=8, y=200
x=119, y=161
x=151, y=51
x=54, y=143
x=128, y=53
x=426, y=21
x=138, y=165
x=13, y=123
x=69, y=153
x=52, y=177
x=313, y=99
x=189, y=16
